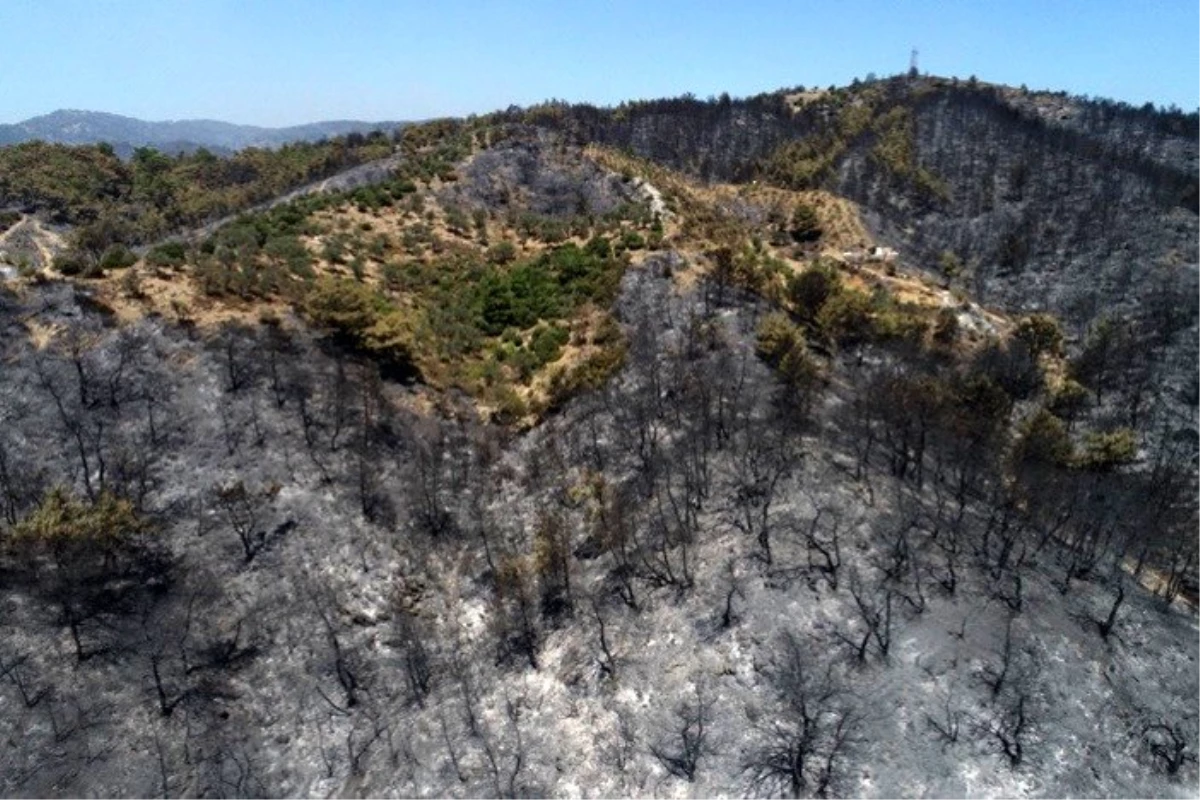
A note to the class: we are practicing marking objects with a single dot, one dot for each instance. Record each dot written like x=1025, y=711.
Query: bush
x=510, y=408
x=897, y=322
x=547, y=343
x=598, y=247
x=71, y=263
x=525, y=362
x=518, y=299
x=589, y=374
x=950, y=264
x=946, y=327
x=457, y=220
x=391, y=337
x=632, y=240
x=362, y=316
x=545, y=289
x=501, y=253
x=289, y=250
x=60, y=518
x=168, y=254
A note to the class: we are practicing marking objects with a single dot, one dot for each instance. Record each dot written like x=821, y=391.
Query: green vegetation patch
x=62, y=519
x=111, y=202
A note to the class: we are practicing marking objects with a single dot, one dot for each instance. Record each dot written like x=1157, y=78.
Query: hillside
x=125, y=134
x=677, y=449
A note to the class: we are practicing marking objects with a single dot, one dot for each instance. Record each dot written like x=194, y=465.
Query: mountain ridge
x=79, y=126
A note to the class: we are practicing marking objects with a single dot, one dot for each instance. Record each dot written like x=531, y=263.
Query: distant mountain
x=126, y=133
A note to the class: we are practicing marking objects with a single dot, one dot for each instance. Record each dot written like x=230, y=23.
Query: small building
x=885, y=254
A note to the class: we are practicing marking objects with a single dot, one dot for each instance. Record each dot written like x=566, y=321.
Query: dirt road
x=363, y=175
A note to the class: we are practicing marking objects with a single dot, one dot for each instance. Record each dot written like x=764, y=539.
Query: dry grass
x=798, y=100
x=41, y=334
x=177, y=297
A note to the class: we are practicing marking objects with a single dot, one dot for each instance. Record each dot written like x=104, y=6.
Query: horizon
x=275, y=64
x=331, y=120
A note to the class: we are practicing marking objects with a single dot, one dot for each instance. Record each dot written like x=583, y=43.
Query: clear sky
x=280, y=62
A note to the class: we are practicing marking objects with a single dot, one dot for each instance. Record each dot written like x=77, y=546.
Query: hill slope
x=542, y=468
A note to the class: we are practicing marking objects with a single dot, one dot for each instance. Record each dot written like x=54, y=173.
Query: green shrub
x=525, y=362
x=457, y=220
x=547, y=343
x=117, y=256
x=632, y=240
x=71, y=263
x=61, y=518
x=510, y=408
x=167, y=254
x=546, y=288
x=503, y=252
x=587, y=375
x=897, y=322
x=950, y=263
x=518, y=298
x=288, y=250
x=946, y=327
x=598, y=247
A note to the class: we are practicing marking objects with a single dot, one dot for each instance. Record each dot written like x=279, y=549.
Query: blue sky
x=277, y=62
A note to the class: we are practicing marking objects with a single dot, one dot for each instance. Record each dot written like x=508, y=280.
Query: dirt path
x=654, y=196
x=41, y=236
x=30, y=237
x=7, y=234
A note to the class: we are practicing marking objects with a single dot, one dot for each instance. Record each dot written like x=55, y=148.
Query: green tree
x=845, y=318
x=1041, y=333
x=1103, y=452
x=1109, y=350
x=346, y=306
x=811, y=289
x=806, y=224
x=1043, y=440
x=1069, y=401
